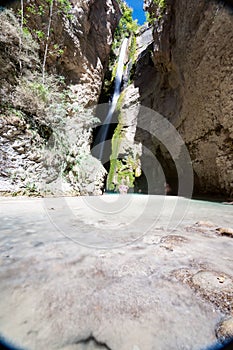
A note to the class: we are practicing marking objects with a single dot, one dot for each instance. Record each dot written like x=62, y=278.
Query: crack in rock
x=90, y=339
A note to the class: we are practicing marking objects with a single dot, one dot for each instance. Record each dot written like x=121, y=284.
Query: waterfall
x=117, y=90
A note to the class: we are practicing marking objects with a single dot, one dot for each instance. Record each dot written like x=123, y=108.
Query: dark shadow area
x=228, y=3
x=101, y=113
x=97, y=139
x=210, y=197
x=156, y=151
x=7, y=345
x=228, y=345
x=8, y=2
x=140, y=184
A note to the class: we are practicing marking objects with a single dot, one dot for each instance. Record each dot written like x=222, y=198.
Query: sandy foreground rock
x=128, y=272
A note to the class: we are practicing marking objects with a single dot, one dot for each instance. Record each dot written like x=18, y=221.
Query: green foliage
x=133, y=48
x=122, y=170
x=40, y=34
x=36, y=10
x=126, y=169
x=126, y=27
x=31, y=9
x=30, y=188
x=26, y=31
x=112, y=181
x=19, y=12
x=41, y=10
x=41, y=90
x=65, y=7
x=160, y=3
x=55, y=50
x=152, y=17
x=59, y=127
x=53, y=112
x=25, y=55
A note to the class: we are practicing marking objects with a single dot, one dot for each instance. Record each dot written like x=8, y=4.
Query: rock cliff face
x=84, y=32
x=187, y=76
x=34, y=113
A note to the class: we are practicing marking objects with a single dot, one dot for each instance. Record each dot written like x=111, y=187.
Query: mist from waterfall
x=117, y=90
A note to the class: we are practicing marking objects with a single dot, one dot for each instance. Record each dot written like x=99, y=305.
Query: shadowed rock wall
x=187, y=76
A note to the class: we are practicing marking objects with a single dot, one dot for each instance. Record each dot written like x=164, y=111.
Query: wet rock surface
x=159, y=288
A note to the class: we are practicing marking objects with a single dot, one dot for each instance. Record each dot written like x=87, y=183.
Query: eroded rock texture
x=159, y=288
x=36, y=112
x=84, y=33
x=87, y=45
x=187, y=76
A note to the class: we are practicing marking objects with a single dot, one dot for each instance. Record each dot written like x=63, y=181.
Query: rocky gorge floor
x=131, y=272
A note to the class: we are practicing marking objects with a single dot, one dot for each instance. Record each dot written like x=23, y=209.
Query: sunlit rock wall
x=84, y=35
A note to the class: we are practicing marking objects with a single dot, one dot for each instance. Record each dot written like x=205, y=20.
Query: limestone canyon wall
x=186, y=74
x=79, y=46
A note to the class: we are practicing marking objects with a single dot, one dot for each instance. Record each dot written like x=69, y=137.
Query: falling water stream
x=117, y=89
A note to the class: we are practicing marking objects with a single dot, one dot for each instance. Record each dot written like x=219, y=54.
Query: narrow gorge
x=178, y=67
x=116, y=174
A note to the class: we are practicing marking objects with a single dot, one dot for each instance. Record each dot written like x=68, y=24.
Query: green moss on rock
x=123, y=167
